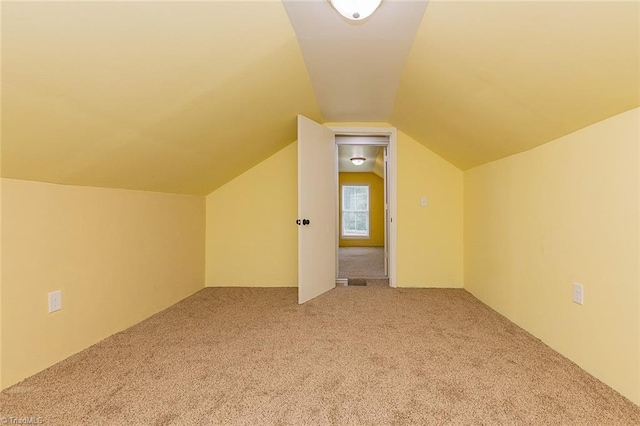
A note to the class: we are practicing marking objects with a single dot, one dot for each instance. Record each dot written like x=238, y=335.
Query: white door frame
x=392, y=151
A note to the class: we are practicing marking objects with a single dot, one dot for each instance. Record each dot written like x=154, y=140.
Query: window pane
x=348, y=196
x=355, y=210
x=355, y=198
x=349, y=223
x=361, y=198
x=361, y=223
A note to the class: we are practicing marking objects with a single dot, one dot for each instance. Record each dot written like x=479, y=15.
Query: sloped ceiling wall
x=184, y=96
x=487, y=79
x=160, y=96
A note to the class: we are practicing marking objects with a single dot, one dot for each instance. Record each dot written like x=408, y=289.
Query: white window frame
x=368, y=211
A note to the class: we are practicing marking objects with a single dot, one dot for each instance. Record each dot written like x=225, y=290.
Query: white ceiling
x=355, y=66
x=347, y=152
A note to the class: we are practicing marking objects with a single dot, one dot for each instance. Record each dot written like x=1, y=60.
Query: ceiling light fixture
x=355, y=10
x=358, y=161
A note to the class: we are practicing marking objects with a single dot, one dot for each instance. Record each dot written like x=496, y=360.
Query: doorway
x=317, y=202
x=363, y=217
x=316, y=209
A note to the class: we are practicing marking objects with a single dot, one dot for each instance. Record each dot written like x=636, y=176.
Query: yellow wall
x=252, y=238
x=118, y=256
x=376, y=208
x=561, y=213
x=430, y=240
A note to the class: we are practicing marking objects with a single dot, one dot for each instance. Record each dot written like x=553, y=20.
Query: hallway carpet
x=356, y=355
x=361, y=262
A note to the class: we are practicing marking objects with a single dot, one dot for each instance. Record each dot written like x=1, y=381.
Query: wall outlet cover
x=578, y=293
x=55, y=301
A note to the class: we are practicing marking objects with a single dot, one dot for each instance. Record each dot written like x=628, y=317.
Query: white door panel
x=316, y=209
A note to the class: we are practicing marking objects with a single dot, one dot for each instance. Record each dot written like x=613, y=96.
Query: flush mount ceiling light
x=358, y=161
x=356, y=10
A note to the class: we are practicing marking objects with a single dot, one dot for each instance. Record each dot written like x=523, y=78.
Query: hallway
x=361, y=262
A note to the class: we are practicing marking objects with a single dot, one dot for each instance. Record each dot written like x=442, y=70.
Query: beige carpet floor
x=356, y=355
x=361, y=262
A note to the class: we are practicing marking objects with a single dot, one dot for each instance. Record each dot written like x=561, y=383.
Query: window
x=355, y=211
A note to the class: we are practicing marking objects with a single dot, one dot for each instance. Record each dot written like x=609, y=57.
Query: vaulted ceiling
x=184, y=96
x=161, y=96
x=487, y=79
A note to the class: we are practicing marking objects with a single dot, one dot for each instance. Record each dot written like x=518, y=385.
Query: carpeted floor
x=355, y=355
x=361, y=262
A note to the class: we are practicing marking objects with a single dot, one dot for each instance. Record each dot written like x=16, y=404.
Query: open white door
x=316, y=209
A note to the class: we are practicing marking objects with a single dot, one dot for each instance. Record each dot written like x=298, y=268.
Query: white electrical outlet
x=55, y=301
x=578, y=293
